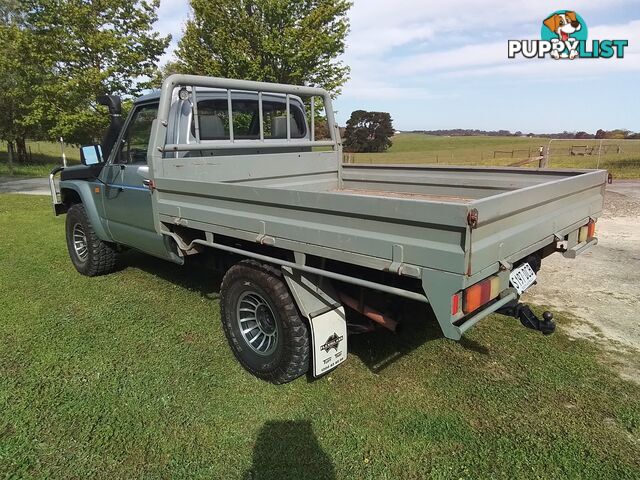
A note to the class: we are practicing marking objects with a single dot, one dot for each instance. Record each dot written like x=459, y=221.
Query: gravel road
x=24, y=185
x=601, y=288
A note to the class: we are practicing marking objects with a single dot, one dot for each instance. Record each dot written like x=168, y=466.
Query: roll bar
x=179, y=80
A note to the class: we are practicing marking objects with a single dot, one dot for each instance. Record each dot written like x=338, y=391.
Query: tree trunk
x=21, y=148
x=10, y=155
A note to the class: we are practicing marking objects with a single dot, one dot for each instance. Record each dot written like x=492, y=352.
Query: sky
x=443, y=64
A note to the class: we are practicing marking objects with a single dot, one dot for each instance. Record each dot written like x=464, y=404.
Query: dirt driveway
x=602, y=287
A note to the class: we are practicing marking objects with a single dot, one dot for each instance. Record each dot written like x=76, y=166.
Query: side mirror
x=91, y=154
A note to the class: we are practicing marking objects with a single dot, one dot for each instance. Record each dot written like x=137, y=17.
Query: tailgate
x=514, y=224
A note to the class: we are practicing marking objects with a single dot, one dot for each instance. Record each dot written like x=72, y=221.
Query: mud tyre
x=89, y=255
x=260, y=319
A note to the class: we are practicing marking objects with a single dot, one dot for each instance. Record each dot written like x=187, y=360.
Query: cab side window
x=135, y=142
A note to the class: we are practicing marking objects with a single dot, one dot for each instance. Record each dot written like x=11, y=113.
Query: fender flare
x=84, y=190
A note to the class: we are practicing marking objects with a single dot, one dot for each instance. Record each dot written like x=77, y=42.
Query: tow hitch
x=528, y=319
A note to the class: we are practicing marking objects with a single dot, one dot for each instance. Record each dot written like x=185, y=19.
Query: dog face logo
x=565, y=29
x=563, y=24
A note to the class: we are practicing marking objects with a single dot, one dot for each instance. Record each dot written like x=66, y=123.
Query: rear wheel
x=89, y=255
x=262, y=323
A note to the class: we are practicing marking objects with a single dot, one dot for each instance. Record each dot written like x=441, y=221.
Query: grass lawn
x=420, y=148
x=129, y=376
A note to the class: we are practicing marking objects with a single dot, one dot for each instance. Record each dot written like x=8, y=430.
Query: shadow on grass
x=382, y=348
x=191, y=276
x=289, y=450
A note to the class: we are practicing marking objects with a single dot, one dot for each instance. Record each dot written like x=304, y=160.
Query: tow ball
x=528, y=319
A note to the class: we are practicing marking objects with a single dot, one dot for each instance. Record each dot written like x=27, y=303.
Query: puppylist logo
x=564, y=36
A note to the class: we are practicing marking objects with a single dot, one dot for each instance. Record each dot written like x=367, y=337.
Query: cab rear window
x=213, y=117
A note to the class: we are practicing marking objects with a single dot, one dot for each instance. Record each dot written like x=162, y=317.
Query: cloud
x=366, y=89
x=379, y=26
x=490, y=65
x=394, y=46
x=410, y=57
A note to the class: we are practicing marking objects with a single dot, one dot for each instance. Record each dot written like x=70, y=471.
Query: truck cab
x=121, y=187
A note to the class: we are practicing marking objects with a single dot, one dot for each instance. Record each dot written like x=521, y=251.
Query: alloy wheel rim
x=80, y=242
x=257, y=323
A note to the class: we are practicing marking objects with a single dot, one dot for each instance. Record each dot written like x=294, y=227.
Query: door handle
x=146, y=183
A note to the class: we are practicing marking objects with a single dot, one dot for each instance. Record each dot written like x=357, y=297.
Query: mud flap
x=319, y=303
x=329, y=339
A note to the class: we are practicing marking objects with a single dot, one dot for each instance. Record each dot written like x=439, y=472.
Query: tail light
x=587, y=232
x=455, y=303
x=482, y=292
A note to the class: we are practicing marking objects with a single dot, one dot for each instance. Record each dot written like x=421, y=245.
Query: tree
x=88, y=49
x=285, y=41
x=582, y=135
x=619, y=134
x=368, y=132
x=16, y=78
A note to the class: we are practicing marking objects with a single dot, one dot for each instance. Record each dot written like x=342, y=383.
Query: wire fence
x=621, y=156
x=593, y=153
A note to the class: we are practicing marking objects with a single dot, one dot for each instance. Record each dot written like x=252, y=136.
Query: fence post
x=64, y=157
x=599, y=154
x=544, y=159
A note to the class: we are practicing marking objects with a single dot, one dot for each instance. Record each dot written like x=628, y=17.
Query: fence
x=618, y=156
x=592, y=153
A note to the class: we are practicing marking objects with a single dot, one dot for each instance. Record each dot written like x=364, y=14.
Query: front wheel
x=90, y=255
x=262, y=323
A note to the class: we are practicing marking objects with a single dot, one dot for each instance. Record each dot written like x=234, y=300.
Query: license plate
x=522, y=277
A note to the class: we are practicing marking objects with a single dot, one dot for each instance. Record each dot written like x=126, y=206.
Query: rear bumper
x=506, y=297
x=509, y=294
x=580, y=248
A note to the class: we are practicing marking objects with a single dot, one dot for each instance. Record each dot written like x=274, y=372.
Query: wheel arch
x=73, y=192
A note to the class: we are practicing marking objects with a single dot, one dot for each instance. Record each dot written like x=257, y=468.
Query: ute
x=230, y=173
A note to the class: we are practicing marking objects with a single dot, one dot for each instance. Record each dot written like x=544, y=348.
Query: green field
x=129, y=376
x=502, y=151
